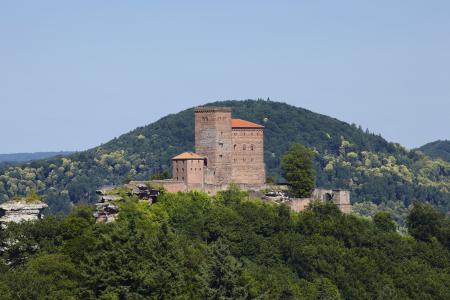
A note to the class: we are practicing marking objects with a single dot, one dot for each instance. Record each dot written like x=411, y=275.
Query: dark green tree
x=298, y=169
x=383, y=221
x=424, y=222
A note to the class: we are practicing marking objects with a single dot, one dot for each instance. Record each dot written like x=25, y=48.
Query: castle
x=227, y=151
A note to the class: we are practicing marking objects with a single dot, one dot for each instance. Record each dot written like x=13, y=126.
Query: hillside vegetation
x=23, y=157
x=347, y=157
x=437, y=149
x=191, y=246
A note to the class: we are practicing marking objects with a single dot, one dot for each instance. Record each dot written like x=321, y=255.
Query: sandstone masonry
x=227, y=151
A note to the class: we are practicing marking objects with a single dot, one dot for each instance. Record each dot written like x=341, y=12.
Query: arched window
x=235, y=147
x=251, y=147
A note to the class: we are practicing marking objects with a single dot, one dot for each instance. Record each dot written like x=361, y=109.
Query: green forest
x=437, y=149
x=192, y=246
x=347, y=156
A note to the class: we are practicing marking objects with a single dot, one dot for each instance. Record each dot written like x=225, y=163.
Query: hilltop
x=347, y=157
x=437, y=149
x=23, y=157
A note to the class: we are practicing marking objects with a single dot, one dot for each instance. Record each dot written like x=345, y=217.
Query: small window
x=244, y=147
x=195, y=169
x=251, y=147
x=235, y=147
x=191, y=169
x=182, y=178
x=220, y=156
x=199, y=169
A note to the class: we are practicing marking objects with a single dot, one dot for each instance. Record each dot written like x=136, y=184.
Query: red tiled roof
x=188, y=155
x=238, y=123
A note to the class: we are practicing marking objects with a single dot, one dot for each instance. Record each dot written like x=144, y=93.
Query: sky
x=75, y=74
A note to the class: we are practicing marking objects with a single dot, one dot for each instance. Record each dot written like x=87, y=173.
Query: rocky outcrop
x=21, y=210
x=105, y=209
x=143, y=191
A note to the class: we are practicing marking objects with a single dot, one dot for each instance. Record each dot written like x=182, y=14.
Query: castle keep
x=227, y=150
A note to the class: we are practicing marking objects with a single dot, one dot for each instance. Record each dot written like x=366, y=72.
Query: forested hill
x=22, y=157
x=347, y=157
x=437, y=149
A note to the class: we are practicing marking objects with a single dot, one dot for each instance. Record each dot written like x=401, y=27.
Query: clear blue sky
x=74, y=74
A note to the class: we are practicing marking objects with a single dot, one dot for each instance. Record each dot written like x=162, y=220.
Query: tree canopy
x=193, y=246
x=298, y=169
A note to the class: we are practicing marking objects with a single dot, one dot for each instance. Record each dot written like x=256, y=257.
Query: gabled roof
x=188, y=155
x=238, y=123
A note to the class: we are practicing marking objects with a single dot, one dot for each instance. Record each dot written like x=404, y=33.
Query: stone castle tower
x=227, y=150
x=213, y=141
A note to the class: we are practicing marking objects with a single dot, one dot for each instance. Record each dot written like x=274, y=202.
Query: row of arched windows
x=244, y=147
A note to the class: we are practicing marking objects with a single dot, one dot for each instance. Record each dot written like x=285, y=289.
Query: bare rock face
x=21, y=210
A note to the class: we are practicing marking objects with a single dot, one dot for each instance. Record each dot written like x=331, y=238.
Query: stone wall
x=213, y=140
x=172, y=186
x=339, y=197
x=248, y=156
x=299, y=205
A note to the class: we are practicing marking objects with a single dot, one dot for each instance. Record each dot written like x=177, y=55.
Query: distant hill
x=23, y=157
x=438, y=149
x=347, y=157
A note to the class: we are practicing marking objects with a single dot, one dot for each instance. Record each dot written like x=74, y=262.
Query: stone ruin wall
x=339, y=197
